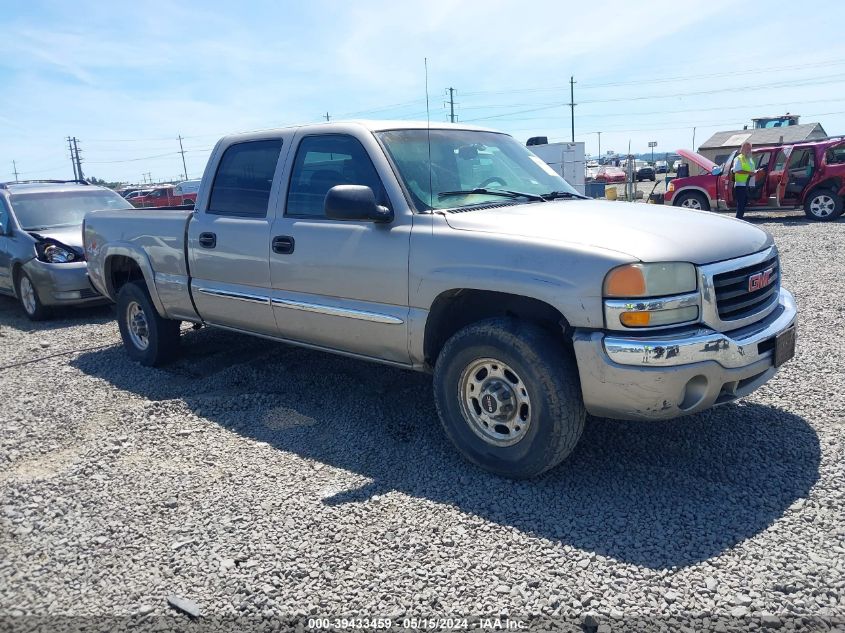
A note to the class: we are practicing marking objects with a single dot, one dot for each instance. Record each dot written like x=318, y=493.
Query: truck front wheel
x=508, y=396
x=692, y=200
x=148, y=338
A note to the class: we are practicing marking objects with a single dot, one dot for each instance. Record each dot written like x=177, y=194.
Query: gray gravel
x=259, y=480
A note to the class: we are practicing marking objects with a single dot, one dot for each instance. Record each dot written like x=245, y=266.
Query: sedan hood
x=647, y=232
x=67, y=235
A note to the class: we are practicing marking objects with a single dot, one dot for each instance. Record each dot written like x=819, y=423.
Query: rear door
x=797, y=174
x=229, y=238
x=340, y=284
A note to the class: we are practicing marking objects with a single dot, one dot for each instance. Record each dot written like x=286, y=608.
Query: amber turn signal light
x=635, y=319
x=625, y=281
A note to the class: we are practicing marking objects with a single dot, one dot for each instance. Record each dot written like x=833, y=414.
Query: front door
x=229, y=239
x=337, y=283
x=725, y=183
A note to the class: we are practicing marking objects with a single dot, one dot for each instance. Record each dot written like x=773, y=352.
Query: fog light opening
x=694, y=392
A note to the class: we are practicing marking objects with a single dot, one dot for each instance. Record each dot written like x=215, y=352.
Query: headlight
x=650, y=280
x=651, y=295
x=670, y=187
x=56, y=254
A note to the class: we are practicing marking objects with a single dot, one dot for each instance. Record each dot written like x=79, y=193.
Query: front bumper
x=660, y=377
x=62, y=284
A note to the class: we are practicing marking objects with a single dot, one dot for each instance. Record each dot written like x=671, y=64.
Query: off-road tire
x=688, y=200
x=162, y=334
x=550, y=375
x=825, y=199
x=33, y=308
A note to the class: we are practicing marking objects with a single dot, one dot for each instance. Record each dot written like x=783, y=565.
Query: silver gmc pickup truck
x=455, y=250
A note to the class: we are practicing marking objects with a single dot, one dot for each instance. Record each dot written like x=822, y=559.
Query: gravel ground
x=272, y=483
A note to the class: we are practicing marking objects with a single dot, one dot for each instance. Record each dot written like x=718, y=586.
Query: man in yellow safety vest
x=743, y=169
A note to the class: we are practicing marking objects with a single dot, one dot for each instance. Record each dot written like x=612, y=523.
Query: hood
x=698, y=159
x=647, y=232
x=67, y=235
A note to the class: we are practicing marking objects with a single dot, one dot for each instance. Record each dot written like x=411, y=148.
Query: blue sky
x=127, y=77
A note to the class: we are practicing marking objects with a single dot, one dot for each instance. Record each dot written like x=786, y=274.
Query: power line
x=646, y=81
x=550, y=106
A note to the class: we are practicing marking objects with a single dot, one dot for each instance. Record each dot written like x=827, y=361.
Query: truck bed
x=155, y=239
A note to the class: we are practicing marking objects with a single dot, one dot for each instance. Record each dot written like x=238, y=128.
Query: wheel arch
x=122, y=265
x=454, y=309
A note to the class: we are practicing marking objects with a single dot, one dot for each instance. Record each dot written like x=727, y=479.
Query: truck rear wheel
x=823, y=205
x=149, y=338
x=508, y=396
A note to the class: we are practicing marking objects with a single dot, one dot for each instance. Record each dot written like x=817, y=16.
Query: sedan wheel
x=28, y=296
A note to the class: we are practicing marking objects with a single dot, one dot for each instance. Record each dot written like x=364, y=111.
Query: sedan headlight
x=651, y=295
x=56, y=254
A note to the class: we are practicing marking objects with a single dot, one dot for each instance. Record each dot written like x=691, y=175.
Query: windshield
x=464, y=160
x=48, y=210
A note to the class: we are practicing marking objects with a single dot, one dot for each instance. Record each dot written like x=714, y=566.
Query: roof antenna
x=428, y=133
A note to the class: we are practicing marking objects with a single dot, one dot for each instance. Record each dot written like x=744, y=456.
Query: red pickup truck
x=809, y=175
x=164, y=196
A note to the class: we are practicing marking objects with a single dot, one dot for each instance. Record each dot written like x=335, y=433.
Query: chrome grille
x=735, y=301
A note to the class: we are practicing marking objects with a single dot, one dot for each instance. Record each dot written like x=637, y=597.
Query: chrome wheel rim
x=495, y=402
x=692, y=203
x=822, y=206
x=136, y=322
x=28, y=295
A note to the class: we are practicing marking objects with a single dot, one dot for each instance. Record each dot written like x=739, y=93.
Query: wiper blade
x=505, y=193
x=552, y=195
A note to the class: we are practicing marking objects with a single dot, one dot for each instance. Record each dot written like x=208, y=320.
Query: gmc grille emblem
x=760, y=280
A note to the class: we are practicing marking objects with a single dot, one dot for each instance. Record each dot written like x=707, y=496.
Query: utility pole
x=327, y=117
x=15, y=169
x=572, y=104
x=693, y=139
x=599, y=133
x=149, y=177
x=452, y=105
x=182, y=151
x=78, y=159
x=72, y=158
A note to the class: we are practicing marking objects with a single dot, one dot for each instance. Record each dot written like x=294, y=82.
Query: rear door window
x=244, y=178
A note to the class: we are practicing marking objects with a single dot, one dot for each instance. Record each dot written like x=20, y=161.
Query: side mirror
x=354, y=202
x=716, y=171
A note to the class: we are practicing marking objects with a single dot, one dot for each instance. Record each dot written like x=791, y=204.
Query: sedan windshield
x=469, y=168
x=51, y=209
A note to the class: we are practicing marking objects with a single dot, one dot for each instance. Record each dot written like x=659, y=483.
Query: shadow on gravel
x=658, y=494
x=12, y=316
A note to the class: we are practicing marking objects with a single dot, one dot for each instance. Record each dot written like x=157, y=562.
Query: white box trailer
x=567, y=159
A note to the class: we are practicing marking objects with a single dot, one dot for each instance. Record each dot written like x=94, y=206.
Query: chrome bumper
x=667, y=376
